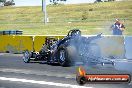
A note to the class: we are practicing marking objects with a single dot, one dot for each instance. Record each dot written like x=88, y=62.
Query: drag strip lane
x=37, y=72
x=42, y=82
x=14, y=73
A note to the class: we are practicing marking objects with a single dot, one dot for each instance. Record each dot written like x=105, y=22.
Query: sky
x=38, y=2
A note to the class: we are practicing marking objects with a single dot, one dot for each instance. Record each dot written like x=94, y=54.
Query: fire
x=81, y=71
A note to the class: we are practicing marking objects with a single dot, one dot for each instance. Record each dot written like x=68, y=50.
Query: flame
x=81, y=71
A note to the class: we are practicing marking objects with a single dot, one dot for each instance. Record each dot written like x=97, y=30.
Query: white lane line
x=1, y=54
x=42, y=82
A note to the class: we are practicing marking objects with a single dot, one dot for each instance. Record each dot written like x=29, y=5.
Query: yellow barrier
x=15, y=44
x=40, y=40
x=110, y=45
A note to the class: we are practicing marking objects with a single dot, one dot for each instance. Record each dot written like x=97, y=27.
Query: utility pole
x=44, y=10
x=42, y=6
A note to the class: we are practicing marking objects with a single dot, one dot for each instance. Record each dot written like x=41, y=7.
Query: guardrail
x=11, y=32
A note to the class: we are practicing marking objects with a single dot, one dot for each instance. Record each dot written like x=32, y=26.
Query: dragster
x=67, y=51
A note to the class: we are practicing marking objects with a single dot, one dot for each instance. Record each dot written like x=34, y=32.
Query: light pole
x=44, y=10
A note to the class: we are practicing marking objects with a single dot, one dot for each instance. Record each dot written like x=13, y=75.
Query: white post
x=44, y=10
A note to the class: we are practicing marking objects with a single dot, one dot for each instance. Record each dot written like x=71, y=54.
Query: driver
x=75, y=33
x=45, y=47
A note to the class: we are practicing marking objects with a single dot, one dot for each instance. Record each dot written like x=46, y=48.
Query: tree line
x=7, y=2
x=104, y=0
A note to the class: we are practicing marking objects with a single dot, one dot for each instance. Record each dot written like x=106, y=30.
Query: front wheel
x=26, y=56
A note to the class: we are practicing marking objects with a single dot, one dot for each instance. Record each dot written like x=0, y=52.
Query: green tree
x=7, y=3
x=110, y=0
x=2, y=0
x=55, y=2
x=98, y=0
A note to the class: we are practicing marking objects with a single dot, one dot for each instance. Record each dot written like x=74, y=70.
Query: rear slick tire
x=67, y=55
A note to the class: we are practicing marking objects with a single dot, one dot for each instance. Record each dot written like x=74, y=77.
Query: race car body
x=67, y=51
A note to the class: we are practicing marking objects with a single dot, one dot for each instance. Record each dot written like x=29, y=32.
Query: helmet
x=117, y=19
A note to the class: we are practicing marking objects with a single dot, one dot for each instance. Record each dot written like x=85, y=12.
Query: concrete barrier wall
x=40, y=40
x=128, y=47
x=112, y=46
x=15, y=44
x=109, y=45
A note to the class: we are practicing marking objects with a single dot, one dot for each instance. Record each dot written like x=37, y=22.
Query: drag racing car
x=66, y=51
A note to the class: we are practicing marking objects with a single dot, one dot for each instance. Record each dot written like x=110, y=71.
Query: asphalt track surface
x=14, y=73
